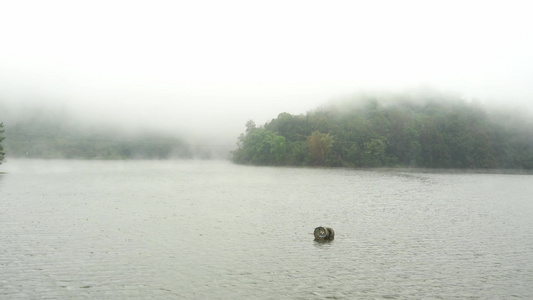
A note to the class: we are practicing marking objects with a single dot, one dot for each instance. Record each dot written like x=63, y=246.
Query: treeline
x=2, y=153
x=433, y=133
x=41, y=134
x=22, y=144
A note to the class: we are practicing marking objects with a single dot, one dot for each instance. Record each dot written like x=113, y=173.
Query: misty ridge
x=37, y=131
x=424, y=130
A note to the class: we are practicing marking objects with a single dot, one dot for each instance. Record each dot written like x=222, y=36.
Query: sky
x=203, y=68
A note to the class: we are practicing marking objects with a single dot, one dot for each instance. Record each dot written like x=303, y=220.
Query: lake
x=214, y=230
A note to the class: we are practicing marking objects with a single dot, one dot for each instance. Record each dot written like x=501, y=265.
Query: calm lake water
x=213, y=230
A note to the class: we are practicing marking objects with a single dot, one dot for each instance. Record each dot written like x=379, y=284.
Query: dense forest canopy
x=434, y=132
x=40, y=133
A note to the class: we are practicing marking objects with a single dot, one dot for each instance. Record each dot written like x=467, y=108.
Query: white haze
x=203, y=68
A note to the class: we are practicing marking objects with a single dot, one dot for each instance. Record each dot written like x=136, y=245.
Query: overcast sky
x=206, y=67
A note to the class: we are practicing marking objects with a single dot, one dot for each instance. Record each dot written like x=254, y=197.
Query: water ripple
x=141, y=230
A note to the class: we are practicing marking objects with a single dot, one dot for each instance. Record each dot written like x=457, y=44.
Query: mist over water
x=192, y=74
x=196, y=230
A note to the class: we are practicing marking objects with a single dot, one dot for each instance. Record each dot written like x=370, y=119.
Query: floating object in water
x=324, y=233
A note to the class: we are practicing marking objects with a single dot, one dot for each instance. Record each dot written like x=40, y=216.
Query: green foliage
x=260, y=146
x=434, y=133
x=320, y=145
x=373, y=153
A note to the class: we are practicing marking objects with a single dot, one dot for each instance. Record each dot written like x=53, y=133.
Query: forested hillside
x=2, y=153
x=39, y=133
x=433, y=133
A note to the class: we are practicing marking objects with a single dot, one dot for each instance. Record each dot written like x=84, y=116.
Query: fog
x=201, y=69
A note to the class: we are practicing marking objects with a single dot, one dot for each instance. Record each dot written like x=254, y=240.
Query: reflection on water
x=197, y=230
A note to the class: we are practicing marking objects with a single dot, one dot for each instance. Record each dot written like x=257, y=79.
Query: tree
x=373, y=154
x=320, y=145
x=2, y=153
x=260, y=146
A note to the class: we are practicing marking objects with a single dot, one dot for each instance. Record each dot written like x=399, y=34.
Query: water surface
x=213, y=230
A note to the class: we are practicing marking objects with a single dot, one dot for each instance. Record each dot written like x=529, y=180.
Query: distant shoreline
x=456, y=171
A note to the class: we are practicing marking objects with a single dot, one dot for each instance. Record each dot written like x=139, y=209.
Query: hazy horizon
x=202, y=69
